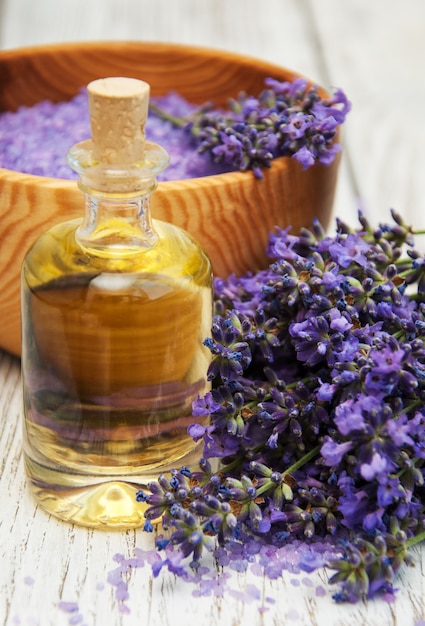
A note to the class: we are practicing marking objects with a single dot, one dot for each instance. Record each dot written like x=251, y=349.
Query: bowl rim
x=227, y=178
x=205, y=51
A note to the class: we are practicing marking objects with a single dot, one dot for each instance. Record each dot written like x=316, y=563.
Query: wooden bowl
x=230, y=214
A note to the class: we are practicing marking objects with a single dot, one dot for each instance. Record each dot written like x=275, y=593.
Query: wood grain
x=231, y=214
x=57, y=71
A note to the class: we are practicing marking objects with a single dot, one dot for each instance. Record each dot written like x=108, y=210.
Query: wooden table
x=375, y=51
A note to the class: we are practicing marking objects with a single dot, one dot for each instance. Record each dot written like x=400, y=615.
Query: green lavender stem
x=293, y=468
x=179, y=122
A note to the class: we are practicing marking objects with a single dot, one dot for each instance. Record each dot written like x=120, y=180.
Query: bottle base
x=95, y=501
x=110, y=505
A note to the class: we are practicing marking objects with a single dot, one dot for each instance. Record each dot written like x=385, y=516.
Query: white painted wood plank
x=276, y=31
x=376, y=51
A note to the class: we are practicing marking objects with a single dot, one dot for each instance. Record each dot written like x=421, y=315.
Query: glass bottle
x=115, y=309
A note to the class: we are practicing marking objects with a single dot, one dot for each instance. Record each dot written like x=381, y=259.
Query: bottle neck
x=117, y=218
x=114, y=225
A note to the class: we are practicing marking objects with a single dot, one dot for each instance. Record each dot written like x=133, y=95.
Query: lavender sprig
x=286, y=119
x=317, y=418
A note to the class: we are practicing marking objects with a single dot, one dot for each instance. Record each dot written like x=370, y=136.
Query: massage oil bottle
x=115, y=308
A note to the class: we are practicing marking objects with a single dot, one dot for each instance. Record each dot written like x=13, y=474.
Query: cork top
x=118, y=109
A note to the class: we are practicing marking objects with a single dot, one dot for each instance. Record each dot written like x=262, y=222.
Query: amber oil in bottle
x=115, y=309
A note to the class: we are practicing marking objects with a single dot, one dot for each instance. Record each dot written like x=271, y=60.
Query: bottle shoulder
x=57, y=254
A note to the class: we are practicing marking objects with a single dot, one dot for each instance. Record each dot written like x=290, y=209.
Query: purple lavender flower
x=286, y=119
x=324, y=337
x=304, y=156
x=231, y=353
x=317, y=418
x=333, y=452
x=377, y=466
x=229, y=150
x=350, y=250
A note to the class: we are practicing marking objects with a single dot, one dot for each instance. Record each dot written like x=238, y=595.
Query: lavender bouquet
x=288, y=118
x=317, y=409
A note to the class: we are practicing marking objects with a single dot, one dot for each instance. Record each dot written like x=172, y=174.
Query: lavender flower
x=317, y=418
x=286, y=119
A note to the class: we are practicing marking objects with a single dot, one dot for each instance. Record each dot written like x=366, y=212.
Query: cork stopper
x=118, y=111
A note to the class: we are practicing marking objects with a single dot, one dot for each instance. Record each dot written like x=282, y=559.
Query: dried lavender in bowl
x=286, y=119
